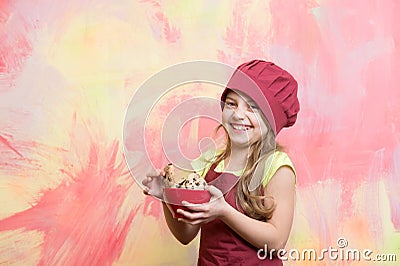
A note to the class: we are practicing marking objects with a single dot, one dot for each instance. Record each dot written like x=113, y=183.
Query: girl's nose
x=240, y=113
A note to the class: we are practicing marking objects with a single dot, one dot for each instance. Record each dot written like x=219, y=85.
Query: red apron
x=219, y=244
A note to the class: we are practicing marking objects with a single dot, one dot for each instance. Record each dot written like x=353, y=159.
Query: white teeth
x=238, y=127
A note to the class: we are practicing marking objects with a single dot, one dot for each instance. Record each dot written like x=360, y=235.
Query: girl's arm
x=276, y=231
x=183, y=232
x=273, y=233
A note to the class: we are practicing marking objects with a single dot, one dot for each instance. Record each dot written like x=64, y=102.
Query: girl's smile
x=240, y=128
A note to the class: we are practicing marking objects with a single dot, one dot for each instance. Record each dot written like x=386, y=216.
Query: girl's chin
x=240, y=141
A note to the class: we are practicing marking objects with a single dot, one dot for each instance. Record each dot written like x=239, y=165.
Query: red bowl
x=175, y=196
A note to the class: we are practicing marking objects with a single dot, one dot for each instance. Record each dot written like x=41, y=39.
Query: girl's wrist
x=226, y=212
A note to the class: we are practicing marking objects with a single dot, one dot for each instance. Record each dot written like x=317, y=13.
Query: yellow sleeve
x=273, y=163
x=203, y=163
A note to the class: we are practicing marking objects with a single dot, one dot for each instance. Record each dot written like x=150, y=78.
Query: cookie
x=191, y=181
x=169, y=175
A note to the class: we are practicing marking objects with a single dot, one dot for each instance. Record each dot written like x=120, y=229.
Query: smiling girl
x=251, y=181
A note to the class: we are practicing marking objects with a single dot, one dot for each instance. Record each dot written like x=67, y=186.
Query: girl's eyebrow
x=249, y=102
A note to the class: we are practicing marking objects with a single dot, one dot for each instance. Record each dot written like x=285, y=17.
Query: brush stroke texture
x=68, y=70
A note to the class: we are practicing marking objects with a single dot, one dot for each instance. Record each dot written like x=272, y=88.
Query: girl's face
x=243, y=120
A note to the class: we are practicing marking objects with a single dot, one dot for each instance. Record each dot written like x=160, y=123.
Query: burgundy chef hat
x=272, y=88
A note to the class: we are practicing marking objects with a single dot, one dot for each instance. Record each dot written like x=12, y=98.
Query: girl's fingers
x=215, y=192
x=193, y=206
x=194, y=222
x=147, y=180
x=189, y=204
x=191, y=216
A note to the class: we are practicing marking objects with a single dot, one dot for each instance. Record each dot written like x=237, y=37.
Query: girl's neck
x=237, y=159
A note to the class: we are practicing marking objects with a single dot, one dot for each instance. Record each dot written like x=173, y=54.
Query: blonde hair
x=253, y=201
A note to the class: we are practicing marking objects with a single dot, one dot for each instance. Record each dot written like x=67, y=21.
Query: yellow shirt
x=274, y=161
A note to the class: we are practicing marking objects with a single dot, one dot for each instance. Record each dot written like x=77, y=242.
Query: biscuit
x=191, y=181
x=169, y=175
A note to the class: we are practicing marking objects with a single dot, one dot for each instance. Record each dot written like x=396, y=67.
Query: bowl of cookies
x=184, y=186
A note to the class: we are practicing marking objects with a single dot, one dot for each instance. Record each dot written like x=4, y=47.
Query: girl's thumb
x=214, y=191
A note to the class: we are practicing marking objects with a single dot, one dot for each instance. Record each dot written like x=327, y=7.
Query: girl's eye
x=254, y=108
x=230, y=104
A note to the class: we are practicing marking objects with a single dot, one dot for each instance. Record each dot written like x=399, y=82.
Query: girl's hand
x=154, y=184
x=206, y=212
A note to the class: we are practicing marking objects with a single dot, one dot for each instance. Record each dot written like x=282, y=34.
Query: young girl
x=251, y=181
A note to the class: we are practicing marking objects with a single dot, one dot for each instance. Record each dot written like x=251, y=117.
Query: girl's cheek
x=225, y=116
x=228, y=112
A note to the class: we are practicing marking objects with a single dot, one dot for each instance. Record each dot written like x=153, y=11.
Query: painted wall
x=69, y=68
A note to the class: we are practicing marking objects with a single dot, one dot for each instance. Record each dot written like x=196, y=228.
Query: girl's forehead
x=239, y=94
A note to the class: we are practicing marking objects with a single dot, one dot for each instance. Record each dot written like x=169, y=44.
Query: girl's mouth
x=240, y=127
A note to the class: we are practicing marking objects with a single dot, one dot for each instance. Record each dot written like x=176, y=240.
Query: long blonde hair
x=253, y=201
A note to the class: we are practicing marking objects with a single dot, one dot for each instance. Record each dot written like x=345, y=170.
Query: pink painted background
x=69, y=68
